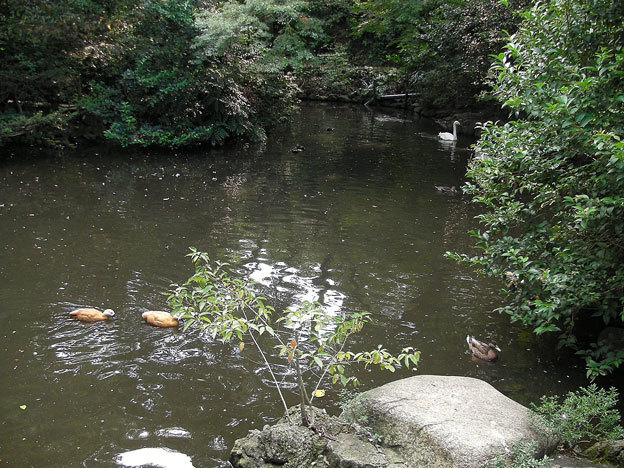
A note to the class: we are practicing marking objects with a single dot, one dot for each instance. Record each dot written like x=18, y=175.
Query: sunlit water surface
x=353, y=221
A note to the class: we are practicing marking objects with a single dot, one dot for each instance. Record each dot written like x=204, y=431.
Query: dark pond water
x=353, y=221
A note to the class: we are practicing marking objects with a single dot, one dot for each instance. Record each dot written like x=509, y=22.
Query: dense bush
x=585, y=416
x=454, y=47
x=552, y=181
x=42, y=49
x=195, y=75
x=443, y=47
x=147, y=72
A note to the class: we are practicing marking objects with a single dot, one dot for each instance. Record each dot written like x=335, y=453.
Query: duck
x=446, y=189
x=92, y=315
x=298, y=149
x=449, y=136
x=481, y=350
x=159, y=318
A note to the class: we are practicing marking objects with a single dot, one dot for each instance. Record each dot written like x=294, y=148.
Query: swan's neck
x=455, y=129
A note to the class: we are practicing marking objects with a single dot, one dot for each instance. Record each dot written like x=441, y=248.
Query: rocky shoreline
x=424, y=421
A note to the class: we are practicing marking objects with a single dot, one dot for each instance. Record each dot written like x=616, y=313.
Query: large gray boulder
x=422, y=422
x=441, y=421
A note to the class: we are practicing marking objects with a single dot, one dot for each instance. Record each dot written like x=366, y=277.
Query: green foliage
x=329, y=335
x=522, y=456
x=348, y=398
x=240, y=37
x=186, y=72
x=247, y=26
x=356, y=416
x=43, y=46
x=552, y=182
x=444, y=47
x=330, y=74
x=35, y=129
x=148, y=72
x=170, y=94
x=585, y=416
x=452, y=51
x=393, y=23
x=308, y=338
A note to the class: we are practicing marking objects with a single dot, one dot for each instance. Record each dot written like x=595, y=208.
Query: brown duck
x=92, y=315
x=159, y=318
x=481, y=350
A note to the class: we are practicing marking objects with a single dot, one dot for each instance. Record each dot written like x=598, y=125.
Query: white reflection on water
x=301, y=286
x=158, y=457
x=174, y=432
x=166, y=432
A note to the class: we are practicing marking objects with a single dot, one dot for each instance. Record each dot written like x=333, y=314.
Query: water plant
x=522, y=455
x=310, y=339
x=587, y=415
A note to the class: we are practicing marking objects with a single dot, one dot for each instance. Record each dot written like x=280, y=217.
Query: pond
x=353, y=221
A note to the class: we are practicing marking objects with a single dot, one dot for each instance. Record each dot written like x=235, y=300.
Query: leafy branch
x=312, y=340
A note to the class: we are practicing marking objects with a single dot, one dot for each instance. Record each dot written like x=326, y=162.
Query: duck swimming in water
x=481, y=350
x=92, y=315
x=158, y=318
x=445, y=189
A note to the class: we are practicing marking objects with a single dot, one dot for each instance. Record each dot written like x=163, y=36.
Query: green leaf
x=188, y=324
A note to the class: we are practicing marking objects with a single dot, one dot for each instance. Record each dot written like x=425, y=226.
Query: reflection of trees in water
x=345, y=211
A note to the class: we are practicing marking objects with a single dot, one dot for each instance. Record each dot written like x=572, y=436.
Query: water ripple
x=355, y=223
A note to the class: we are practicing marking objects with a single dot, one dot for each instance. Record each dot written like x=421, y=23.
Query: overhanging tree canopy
x=552, y=181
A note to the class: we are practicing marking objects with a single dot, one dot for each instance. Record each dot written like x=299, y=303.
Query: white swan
x=450, y=136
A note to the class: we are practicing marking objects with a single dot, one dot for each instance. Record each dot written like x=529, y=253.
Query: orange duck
x=92, y=315
x=159, y=318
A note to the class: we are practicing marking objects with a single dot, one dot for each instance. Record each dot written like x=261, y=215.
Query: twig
x=266, y=362
x=327, y=367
